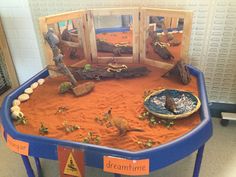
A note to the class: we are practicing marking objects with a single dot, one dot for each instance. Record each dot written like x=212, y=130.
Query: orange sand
x=124, y=96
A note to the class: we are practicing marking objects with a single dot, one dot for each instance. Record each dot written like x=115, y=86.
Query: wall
x=18, y=25
x=213, y=39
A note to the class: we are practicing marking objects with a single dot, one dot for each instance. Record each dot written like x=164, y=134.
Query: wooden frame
x=4, y=50
x=53, y=20
x=134, y=12
x=140, y=26
x=167, y=13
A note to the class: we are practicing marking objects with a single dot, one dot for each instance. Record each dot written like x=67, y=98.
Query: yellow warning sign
x=71, y=167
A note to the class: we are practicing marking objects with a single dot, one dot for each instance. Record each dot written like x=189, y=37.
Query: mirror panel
x=70, y=33
x=164, y=38
x=114, y=35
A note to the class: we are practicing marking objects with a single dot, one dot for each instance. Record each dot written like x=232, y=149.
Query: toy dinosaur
x=121, y=124
x=170, y=104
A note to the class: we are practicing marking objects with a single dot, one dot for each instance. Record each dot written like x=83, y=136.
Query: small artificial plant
x=105, y=119
x=43, y=130
x=87, y=67
x=20, y=119
x=69, y=128
x=153, y=120
x=91, y=138
x=65, y=87
x=147, y=143
x=61, y=109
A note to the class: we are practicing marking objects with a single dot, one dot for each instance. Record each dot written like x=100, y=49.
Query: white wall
x=18, y=26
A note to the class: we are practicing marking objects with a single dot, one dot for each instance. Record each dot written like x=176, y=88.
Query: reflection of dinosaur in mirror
x=53, y=42
x=159, y=47
x=171, y=40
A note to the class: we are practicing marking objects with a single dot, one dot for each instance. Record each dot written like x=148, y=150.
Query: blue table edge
x=159, y=157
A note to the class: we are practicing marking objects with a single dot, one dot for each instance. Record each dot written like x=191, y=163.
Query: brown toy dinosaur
x=170, y=104
x=121, y=124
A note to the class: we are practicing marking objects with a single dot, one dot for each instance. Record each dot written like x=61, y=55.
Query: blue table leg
x=117, y=175
x=38, y=166
x=198, y=161
x=28, y=167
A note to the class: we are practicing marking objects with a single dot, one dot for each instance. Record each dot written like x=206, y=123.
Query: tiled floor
x=219, y=159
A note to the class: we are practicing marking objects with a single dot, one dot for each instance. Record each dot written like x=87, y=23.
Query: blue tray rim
x=47, y=147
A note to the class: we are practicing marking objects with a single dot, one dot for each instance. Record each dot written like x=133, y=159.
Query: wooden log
x=102, y=73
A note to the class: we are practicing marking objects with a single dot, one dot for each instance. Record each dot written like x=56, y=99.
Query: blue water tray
x=159, y=157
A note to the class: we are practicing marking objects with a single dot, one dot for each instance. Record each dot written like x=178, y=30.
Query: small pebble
x=15, y=108
x=23, y=97
x=29, y=90
x=41, y=81
x=34, y=85
x=16, y=102
x=15, y=114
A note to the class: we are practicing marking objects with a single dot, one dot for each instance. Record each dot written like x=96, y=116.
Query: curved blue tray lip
x=159, y=157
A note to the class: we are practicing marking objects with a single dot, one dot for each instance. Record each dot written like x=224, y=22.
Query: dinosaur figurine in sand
x=121, y=124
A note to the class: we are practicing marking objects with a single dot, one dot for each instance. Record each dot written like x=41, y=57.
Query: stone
x=16, y=102
x=23, y=97
x=15, y=108
x=28, y=90
x=41, y=81
x=83, y=89
x=16, y=114
x=34, y=85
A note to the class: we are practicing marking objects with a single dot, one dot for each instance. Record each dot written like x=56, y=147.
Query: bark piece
x=83, y=89
x=181, y=71
x=100, y=73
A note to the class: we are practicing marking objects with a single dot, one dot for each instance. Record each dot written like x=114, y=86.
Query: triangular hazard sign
x=71, y=167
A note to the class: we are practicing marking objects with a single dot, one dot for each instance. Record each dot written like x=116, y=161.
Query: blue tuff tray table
x=159, y=157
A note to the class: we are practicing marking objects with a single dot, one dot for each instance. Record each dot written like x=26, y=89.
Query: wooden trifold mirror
x=153, y=36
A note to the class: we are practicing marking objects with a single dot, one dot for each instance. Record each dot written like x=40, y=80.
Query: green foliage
x=91, y=138
x=168, y=123
x=106, y=118
x=61, y=109
x=70, y=128
x=20, y=119
x=146, y=144
x=154, y=120
x=87, y=67
x=149, y=143
x=65, y=87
